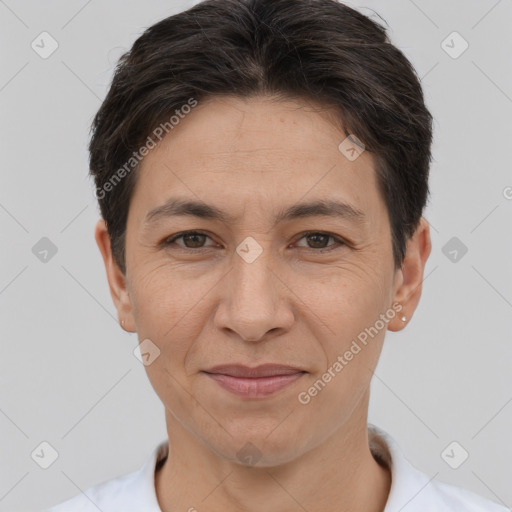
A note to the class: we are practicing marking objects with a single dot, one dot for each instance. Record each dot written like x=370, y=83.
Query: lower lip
x=254, y=387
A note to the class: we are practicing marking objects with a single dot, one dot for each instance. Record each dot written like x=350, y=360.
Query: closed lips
x=241, y=371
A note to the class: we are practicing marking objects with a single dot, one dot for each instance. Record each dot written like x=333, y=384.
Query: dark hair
x=321, y=50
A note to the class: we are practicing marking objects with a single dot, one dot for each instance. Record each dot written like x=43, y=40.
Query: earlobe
x=116, y=278
x=409, y=279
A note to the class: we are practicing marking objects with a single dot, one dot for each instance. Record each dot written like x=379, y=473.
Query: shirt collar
x=407, y=482
x=145, y=484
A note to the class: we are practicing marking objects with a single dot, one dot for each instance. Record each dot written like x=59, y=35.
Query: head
x=300, y=135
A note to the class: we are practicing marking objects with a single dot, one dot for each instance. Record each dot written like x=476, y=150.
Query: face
x=257, y=278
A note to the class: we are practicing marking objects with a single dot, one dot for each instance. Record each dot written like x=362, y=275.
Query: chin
x=259, y=449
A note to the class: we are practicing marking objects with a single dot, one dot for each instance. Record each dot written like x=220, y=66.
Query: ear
x=409, y=279
x=116, y=278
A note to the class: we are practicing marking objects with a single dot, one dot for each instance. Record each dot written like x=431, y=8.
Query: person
x=262, y=169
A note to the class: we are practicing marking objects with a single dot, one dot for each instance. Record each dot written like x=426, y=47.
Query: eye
x=316, y=240
x=191, y=239
x=319, y=240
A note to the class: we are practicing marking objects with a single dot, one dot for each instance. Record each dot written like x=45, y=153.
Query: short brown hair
x=316, y=49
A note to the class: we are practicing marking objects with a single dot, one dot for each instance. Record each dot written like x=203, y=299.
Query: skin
x=293, y=305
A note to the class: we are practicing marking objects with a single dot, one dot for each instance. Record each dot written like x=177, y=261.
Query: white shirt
x=411, y=490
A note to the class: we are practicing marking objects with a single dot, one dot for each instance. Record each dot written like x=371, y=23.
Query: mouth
x=257, y=382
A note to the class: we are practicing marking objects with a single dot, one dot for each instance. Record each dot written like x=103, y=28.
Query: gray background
x=68, y=375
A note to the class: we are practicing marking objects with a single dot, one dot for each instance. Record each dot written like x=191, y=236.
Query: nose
x=255, y=302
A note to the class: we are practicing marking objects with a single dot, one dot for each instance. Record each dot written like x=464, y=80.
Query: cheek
x=170, y=313
x=163, y=302
x=351, y=296
x=350, y=306
x=339, y=386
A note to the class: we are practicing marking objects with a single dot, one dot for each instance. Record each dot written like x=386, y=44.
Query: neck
x=339, y=475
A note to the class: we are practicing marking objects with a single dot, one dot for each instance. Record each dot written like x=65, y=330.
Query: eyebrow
x=327, y=208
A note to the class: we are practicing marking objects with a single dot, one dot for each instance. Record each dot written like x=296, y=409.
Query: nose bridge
x=252, y=304
x=252, y=275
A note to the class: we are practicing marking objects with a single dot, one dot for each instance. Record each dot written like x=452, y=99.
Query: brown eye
x=191, y=240
x=194, y=239
x=319, y=240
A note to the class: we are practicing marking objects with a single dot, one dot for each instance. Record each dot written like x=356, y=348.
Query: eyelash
x=338, y=241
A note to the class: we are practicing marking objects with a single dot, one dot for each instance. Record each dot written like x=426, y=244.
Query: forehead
x=259, y=155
